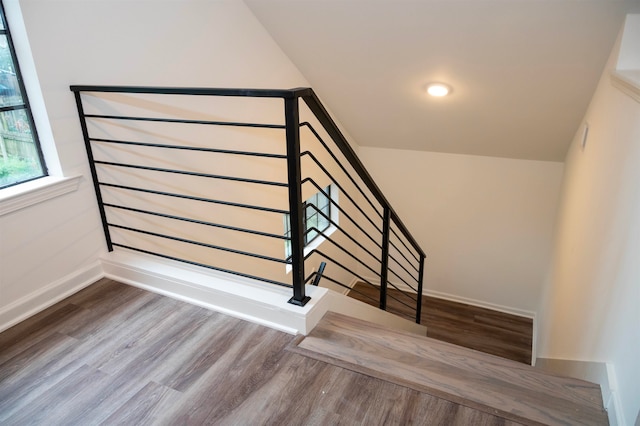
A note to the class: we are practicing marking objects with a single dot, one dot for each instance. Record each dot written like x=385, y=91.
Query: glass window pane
x=9, y=86
x=19, y=159
x=287, y=227
x=322, y=223
x=311, y=235
x=312, y=221
x=310, y=211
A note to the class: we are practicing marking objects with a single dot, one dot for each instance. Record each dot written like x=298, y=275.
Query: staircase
x=500, y=387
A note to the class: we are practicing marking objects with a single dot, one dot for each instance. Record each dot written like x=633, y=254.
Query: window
x=21, y=158
x=313, y=221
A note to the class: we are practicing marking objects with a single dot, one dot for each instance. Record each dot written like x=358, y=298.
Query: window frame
x=25, y=105
x=306, y=218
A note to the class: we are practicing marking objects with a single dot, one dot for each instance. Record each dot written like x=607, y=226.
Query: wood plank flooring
x=485, y=330
x=498, y=386
x=117, y=355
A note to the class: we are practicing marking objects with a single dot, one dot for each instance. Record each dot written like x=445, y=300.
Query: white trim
x=481, y=304
x=236, y=296
x=36, y=191
x=465, y=300
x=614, y=404
x=628, y=82
x=51, y=294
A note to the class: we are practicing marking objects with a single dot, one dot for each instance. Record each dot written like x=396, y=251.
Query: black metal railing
x=365, y=242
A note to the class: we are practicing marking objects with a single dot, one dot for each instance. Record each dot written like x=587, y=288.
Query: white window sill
x=36, y=191
x=314, y=244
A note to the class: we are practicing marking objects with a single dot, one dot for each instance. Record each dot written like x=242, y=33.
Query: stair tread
x=495, y=385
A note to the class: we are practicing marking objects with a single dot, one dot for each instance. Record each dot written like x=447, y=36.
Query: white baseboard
x=41, y=299
x=480, y=304
x=236, y=296
x=460, y=299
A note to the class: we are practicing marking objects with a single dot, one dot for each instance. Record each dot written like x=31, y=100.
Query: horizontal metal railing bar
x=402, y=279
x=401, y=254
x=200, y=91
x=333, y=203
x=316, y=251
x=342, y=190
x=312, y=101
x=403, y=267
x=191, y=148
x=328, y=238
x=307, y=95
x=191, y=197
x=345, y=233
x=196, y=221
x=311, y=275
x=388, y=295
x=316, y=107
x=403, y=292
x=195, y=174
x=405, y=246
x=185, y=121
x=339, y=163
x=199, y=243
x=190, y=262
x=398, y=300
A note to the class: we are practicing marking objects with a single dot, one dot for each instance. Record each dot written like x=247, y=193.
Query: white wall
x=591, y=305
x=167, y=43
x=485, y=223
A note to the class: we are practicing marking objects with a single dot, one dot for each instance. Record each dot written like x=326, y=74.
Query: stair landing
x=484, y=382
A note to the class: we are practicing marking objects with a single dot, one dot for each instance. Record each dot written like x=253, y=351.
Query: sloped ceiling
x=522, y=71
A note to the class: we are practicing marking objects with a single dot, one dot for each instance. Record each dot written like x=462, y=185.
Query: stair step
x=497, y=386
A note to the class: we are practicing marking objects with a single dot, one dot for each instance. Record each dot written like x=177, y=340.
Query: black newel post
x=384, y=267
x=420, y=277
x=292, y=124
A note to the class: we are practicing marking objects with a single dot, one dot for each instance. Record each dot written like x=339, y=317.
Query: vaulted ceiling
x=522, y=71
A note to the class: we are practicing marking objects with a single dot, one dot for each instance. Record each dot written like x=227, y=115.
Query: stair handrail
x=292, y=130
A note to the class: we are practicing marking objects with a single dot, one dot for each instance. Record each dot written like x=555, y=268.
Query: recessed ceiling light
x=438, y=89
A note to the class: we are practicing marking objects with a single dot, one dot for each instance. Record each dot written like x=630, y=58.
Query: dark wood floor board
x=94, y=320
x=19, y=337
x=100, y=297
x=482, y=329
x=146, y=407
x=64, y=403
x=31, y=358
x=113, y=354
x=153, y=334
x=462, y=376
x=297, y=393
x=21, y=395
x=133, y=366
x=101, y=322
x=195, y=356
x=248, y=366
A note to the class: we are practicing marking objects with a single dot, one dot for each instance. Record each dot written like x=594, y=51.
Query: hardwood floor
x=492, y=384
x=114, y=354
x=485, y=330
